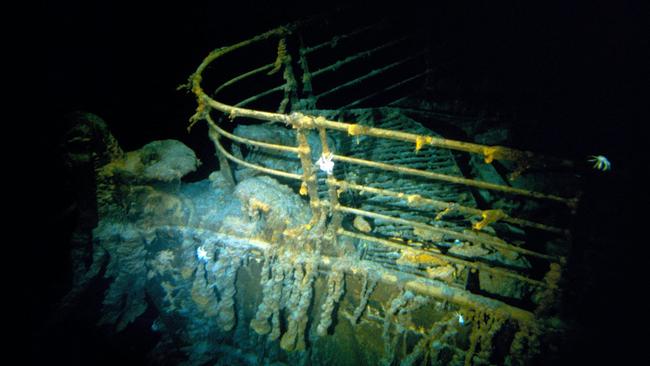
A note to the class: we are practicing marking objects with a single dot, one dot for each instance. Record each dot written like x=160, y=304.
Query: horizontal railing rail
x=302, y=123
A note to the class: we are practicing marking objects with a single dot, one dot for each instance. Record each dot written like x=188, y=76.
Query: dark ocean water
x=572, y=70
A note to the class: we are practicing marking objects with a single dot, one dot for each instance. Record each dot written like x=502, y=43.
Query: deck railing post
x=332, y=187
x=308, y=174
x=224, y=166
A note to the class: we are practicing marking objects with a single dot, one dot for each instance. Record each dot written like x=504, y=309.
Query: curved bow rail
x=295, y=97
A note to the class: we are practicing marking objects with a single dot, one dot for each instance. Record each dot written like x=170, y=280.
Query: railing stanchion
x=224, y=166
x=308, y=174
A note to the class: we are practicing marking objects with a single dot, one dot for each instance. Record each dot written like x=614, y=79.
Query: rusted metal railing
x=330, y=203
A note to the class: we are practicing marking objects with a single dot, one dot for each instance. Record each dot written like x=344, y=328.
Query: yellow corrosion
x=414, y=199
x=302, y=121
x=292, y=232
x=485, y=325
x=256, y=206
x=361, y=224
x=303, y=189
x=444, y=273
x=357, y=129
x=420, y=141
x=282, y=54
x=417, y=257
x=198, y=114
x=489, y=217
x=489, y=152
x=443, y=213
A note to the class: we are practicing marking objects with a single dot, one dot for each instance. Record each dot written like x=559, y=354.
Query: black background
x=580, y=66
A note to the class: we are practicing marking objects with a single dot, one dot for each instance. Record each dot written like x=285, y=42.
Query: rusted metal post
x=332, y=187
x=224, y=166
x=291, y=86
x=308, y=175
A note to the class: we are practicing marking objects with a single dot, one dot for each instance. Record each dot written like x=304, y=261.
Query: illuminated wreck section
x=339, y=229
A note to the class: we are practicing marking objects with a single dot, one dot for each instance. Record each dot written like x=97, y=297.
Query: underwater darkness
x=571, y=71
